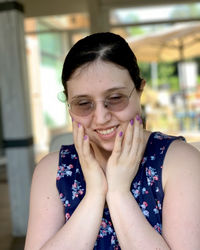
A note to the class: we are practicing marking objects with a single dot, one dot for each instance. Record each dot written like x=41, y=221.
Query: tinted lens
x=117, y=103
x=82, y=108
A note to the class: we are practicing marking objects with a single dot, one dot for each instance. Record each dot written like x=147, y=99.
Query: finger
x=75, y=131
x=86, y=146
x=80, y=135
x=128, y=138
x=118, y=143
x=140, y=151
x=136, y=137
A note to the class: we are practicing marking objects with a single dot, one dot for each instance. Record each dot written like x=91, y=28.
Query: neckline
x=151, y=135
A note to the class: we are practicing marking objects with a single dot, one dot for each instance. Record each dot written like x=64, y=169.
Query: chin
x=104, y=145
x=107, y=146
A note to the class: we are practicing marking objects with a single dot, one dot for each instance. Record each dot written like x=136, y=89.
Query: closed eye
x=115, y=98
x=83, y=103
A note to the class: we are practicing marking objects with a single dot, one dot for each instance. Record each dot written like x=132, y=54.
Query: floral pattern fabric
x=146, y=187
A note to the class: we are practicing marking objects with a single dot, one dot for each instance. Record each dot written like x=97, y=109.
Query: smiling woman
x=107, y=106
x=119, y=183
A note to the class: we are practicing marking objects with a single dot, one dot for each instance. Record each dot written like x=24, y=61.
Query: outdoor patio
x=16, y=123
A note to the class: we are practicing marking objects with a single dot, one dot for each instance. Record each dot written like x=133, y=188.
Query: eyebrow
x=105, y=93
x=114, y=89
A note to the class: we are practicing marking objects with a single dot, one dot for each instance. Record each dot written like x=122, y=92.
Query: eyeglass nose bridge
x=104, y=102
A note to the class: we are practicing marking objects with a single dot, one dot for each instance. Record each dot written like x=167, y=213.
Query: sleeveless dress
x=146, y=187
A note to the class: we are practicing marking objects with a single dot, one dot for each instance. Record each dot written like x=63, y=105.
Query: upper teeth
x=107, y=131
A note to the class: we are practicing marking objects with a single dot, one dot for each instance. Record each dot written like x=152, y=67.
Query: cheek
x=81, y=120
x=129, y=114
x=134, y=109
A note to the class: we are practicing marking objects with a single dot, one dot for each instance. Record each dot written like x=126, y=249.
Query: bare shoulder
x=180, y=147
x=50, y=158
x=181, y=158
x=182, y=162
x=44, y=177
x=47, y=166
x=46, y=207
x=181, y=204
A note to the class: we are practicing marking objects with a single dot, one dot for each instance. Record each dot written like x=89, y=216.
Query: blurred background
x=34, y=39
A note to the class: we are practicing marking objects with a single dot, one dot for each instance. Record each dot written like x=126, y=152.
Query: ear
x=143, y=83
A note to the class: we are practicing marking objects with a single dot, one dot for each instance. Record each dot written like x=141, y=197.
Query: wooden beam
x=111, y=4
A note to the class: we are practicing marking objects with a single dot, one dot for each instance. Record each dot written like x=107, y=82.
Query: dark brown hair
x=105, y=46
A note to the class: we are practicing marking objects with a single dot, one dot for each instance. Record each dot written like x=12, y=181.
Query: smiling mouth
x=106, y=131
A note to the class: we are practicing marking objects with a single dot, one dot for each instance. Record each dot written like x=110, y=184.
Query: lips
x=107, y=131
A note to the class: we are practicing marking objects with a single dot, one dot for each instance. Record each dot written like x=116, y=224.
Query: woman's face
x=97, y=81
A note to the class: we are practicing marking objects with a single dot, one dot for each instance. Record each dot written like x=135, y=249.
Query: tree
x=186, y=11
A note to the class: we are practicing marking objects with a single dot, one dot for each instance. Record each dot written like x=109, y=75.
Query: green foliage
x=145, y=71
x=174, y=83
x=50, y=43
x=49, y=121
x=186, y=11
x=56, y=65
x=135, y=31
x=166, y=75
x=51, y=50
x=165, y=71
x=198, y=80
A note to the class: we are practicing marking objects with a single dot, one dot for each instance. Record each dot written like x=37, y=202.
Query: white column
x=16, y=117
x=154, y=75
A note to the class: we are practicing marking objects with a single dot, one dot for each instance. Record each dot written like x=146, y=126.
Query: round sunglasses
x=84, y=106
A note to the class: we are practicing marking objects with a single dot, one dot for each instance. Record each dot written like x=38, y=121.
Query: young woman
x=119, y=186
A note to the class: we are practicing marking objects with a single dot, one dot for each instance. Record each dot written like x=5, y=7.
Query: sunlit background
x=171, y=100
x=166, y=41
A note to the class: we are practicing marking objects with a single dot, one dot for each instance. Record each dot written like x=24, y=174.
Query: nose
x=101, y=113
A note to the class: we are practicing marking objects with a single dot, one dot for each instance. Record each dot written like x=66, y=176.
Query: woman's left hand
x=125, y=159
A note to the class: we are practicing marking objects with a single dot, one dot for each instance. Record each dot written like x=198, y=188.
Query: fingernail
x=120, y=134
x=85, y=137
x=79, y=125
x=138, y=117
x=72, y=119
x=131, y=122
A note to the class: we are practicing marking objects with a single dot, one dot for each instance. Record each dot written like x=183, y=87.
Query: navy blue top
x=146, y=187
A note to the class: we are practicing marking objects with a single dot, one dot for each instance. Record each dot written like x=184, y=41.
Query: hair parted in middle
x=105, y=46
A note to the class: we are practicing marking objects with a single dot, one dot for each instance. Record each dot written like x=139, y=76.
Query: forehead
x=97, y=78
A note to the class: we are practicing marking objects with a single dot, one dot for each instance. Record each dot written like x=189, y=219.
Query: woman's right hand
x=95, y=179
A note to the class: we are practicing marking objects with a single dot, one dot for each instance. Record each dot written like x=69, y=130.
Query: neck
x=101, y=155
